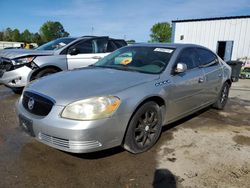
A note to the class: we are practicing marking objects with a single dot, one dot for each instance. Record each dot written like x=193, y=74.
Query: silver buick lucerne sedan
x=125, y=98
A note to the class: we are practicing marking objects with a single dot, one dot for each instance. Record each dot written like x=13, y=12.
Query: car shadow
x=185, y=119
x=99, y=154
x=163, y=178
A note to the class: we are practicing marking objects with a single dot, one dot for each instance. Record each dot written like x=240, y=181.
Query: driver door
x=187, y=89
x=86, y=52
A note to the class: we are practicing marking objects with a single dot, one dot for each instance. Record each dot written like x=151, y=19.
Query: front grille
x=5, y=64
x=54, y=140
x=37, y=104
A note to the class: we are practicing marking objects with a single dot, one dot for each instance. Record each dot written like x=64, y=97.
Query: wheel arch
x=34, y=74
x=157, y=99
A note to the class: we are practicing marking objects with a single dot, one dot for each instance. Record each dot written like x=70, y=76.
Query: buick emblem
x=31, y=103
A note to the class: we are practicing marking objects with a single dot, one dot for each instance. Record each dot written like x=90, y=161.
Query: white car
x=20, y=66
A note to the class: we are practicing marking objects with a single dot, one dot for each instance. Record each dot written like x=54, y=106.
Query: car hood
x=16, y=53
x=69, y=86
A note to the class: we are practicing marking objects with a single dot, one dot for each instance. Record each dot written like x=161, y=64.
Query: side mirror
x=180, y=67
x=73, y=51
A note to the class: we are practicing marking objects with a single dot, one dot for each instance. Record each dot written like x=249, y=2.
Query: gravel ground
x=208, y=149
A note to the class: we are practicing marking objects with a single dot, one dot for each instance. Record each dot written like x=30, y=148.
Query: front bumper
x=76, y=136
x=16, y=78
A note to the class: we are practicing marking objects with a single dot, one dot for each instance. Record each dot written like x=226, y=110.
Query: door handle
x=96, y=57
x=201, y=80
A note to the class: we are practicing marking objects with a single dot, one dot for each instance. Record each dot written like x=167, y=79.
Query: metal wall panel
x=209, y=32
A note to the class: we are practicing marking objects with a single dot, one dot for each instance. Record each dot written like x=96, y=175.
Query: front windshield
x=55, y=44
x=152, y=60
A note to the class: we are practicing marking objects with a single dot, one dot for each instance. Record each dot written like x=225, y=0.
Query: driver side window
x=189, y=57
x=84, y=47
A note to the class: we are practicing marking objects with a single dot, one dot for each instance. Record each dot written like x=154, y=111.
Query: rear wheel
x=144, y=128
x=223, y=97
x=46, y=72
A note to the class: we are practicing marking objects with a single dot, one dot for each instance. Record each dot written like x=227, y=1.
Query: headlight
x=92, y=108
x=24, y=60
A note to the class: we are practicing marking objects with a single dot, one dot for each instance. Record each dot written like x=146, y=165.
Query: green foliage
x=48, y=31
x=52, y=30
x=161, y=32
x=15, y=35
x=36, y=38
x=1, y=35
x=132, y=41
x=7, y=34
x=26, y=36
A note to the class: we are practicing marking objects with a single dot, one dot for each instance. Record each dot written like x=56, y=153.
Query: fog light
x=15, y=81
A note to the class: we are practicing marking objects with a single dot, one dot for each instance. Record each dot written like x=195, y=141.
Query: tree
x=161, y=32
x=15, y=35
x=26, y=36
x=132, y=41
x=1, y=35
x=7, y=34
x=52, y=30
x=36, y=38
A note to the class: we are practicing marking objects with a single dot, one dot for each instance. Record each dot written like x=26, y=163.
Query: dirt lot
x=208, y=149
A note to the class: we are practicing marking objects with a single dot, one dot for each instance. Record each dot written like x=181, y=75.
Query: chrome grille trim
x=54, y=140
x=84, y=144
x=68, y=143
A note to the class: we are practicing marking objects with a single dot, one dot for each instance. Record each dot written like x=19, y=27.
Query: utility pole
x=92, y=30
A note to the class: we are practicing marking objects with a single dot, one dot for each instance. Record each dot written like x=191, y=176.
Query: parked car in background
x=18, y=67
x=245, y=72
x=125, y=98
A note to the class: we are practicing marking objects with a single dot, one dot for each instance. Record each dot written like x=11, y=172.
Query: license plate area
x=27, y=125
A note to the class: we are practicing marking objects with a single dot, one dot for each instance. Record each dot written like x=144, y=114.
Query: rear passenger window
x=189, y=57
x=100, y=45
x=206, y=57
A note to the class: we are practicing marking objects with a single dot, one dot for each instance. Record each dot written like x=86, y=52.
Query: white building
x=229, y=37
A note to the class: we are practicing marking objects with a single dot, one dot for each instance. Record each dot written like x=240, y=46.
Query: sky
x=127, y=19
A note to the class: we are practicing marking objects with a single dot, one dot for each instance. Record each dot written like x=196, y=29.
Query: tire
x=17, y=90
x=144, y=128
x=46, y=72
x=223, y=97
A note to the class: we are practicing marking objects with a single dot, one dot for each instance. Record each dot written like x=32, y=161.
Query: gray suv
x=20, y=66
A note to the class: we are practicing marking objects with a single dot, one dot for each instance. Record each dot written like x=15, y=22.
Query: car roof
x=92, y=36
x=168, y=45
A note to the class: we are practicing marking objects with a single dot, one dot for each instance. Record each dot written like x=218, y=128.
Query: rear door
x=212, y=69
x=88, y=52
x=187, y=90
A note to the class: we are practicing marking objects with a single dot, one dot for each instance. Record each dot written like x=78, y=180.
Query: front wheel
x=144, y=128
x=223, y=97
x=46, y=72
